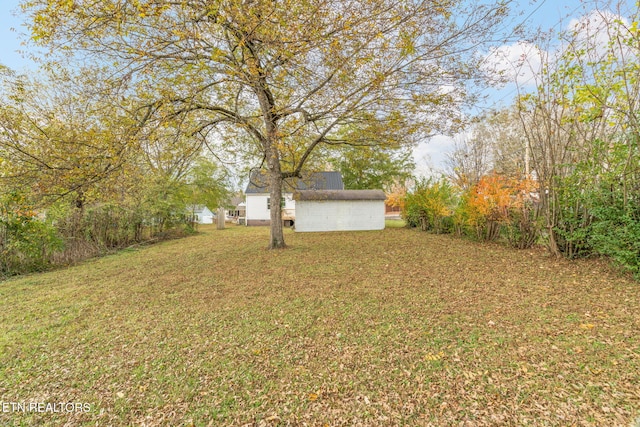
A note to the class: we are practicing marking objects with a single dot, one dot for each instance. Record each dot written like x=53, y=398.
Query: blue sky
x=543, y=14
x=9, y=42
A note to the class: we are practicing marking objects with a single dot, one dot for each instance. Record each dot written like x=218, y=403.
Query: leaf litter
x=371, y=328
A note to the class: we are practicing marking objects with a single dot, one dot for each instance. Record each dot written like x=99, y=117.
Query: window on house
x=269, y=203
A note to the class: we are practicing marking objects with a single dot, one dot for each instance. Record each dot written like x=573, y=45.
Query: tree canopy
x=279, y=79
x=373, y=167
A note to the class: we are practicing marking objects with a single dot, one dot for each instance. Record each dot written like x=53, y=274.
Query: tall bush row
x=496, y=208
x=597, y=216
x=36, y=239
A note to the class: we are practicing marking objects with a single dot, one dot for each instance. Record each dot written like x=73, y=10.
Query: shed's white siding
x=339, y=215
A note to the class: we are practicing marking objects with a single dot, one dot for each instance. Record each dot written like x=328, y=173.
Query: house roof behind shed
x=237, y=201
x=259, y=182
x=339, y=195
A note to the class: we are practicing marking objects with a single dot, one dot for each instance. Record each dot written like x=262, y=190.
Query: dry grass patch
x=371, y=328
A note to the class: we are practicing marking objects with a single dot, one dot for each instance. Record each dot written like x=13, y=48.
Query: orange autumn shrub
x=396, y=197
x=496, y=204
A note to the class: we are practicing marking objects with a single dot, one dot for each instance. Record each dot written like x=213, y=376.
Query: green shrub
x=573, y=218
x=26, y=241
x=113, y=226
x=430, y=206
x=523, y=226
x=615, y=231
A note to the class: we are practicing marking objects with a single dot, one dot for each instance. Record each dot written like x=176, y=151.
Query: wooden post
x=220, y=219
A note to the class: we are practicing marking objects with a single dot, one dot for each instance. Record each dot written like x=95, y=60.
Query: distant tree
x=495, y=142
x=66, y=138
x=373, y=167
x=469, y=161
x=503, y=131
x=286, y=76
x=396, y=195
x=207, y=184
x=62, y=139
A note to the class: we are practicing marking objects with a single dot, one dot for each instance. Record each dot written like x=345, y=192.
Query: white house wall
x=256, y=207
x=289, y=203
x=339, y=215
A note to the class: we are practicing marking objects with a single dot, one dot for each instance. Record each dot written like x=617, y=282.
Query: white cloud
x=430, y=155
x=596, y=30
x=521, y=64
x=516, y=63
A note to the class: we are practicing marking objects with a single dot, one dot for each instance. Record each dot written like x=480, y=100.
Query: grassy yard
x=395, y=327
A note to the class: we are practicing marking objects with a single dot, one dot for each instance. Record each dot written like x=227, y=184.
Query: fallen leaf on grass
x=433, y=357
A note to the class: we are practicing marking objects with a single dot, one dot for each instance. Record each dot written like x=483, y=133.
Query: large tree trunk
x=270, y=141
x=277, y=234
x=276, y=240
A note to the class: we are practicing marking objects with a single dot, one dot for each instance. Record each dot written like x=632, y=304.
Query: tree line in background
x=80, y=175
x=562, y=166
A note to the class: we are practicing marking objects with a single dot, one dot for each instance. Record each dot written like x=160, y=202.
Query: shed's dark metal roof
x=259, y=182
x=339, y=195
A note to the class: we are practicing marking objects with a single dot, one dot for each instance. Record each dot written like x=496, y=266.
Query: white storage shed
x=258, y=200
x=339, y=210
